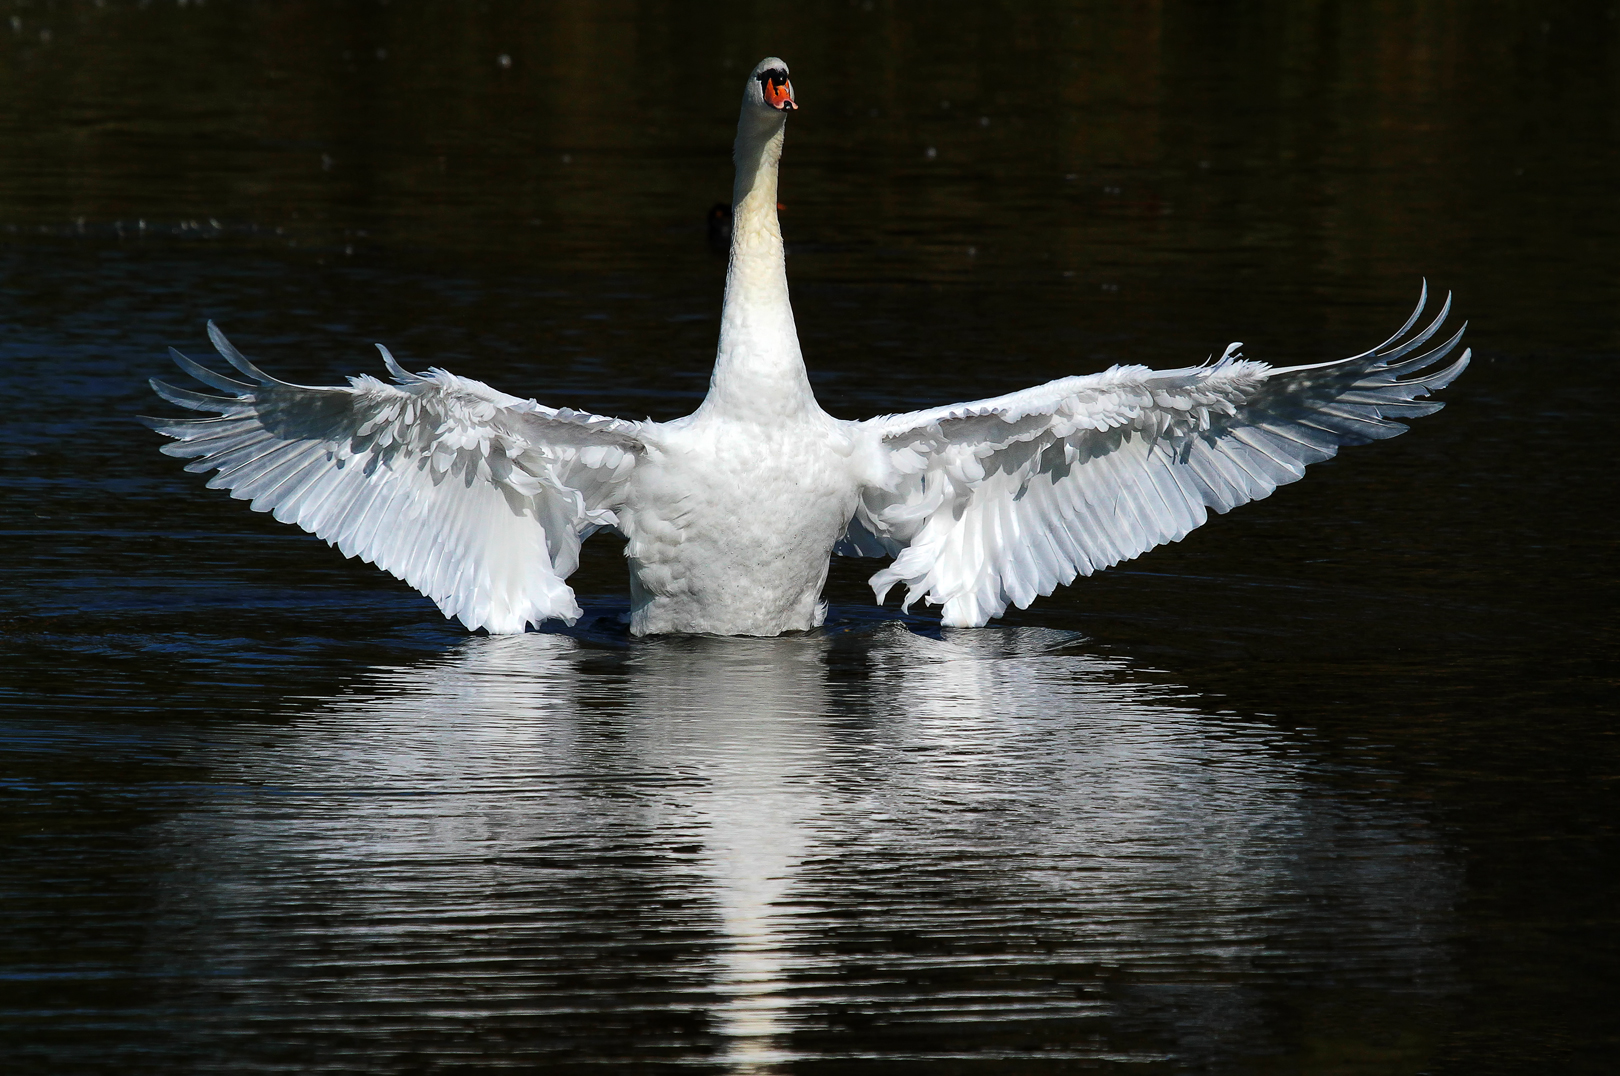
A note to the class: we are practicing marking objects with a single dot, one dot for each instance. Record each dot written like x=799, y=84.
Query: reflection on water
x=762, y=851
x=740, y=717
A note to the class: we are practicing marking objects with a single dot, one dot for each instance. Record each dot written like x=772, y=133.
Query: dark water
x=1330, y=787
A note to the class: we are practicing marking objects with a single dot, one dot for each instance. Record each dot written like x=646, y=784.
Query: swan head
x=768, y=89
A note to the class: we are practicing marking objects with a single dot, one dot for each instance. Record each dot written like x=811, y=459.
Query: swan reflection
x=732, y=848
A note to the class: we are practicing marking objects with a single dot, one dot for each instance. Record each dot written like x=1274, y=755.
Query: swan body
x=731, y=514
x=705, y=515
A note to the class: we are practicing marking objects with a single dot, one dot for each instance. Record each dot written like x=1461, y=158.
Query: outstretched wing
x=1000, y=501
x=478, y=499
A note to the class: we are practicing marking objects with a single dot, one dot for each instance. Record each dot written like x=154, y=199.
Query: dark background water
x=1329, y=787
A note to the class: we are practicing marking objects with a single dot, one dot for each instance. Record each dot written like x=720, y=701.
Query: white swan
x=480, y=500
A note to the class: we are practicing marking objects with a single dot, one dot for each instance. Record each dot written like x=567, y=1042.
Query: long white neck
x=759, y=370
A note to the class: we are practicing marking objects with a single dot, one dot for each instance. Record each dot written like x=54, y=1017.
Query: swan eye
x=778, y=90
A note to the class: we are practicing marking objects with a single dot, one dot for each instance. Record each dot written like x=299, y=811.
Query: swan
x=480, y=500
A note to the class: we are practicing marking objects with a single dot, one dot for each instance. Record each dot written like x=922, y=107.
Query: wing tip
x=230, y=354
x=395, y=370
x=1450, y=373
x=191, y=401
x=211, y=378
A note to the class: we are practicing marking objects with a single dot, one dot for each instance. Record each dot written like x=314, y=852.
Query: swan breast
x=730, y=524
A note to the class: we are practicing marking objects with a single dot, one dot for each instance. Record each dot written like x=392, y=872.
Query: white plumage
x=480, y=500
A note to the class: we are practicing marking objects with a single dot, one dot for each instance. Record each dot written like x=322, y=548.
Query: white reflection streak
x=742, y=716
x=745, y=715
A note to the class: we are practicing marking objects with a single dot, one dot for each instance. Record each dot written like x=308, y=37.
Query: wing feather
x=478, y=499
x=1000, y=501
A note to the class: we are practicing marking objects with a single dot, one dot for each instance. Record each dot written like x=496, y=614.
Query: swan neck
x=759, y=369
x=758, y=157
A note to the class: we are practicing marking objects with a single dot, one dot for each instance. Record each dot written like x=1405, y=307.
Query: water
x=1327, y=788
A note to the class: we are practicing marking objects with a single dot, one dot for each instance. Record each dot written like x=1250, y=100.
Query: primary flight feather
x=481, y=500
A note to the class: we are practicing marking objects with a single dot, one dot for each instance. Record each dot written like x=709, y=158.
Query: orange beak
x=779, y=94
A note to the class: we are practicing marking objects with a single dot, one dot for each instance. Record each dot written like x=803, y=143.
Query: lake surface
x=1329, y=787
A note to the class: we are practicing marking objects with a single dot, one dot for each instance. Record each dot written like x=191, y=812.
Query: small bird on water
x=731, y=514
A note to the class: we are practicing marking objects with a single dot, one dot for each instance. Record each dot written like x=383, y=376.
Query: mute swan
x=480, y=500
